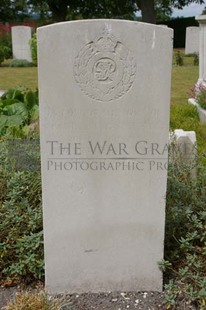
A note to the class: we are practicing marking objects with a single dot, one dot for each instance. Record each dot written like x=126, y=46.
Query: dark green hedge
x=179, y=25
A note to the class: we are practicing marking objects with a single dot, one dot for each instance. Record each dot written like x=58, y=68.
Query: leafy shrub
x=5, y=48
x=33, y=45
x=18, y=109
x=5, y=40
x=2, y=55
x=179, y=61
x=185, y=236
x=21, y=235
x=20, y=63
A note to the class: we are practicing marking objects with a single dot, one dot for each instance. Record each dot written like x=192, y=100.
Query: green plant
x=20, y=63
x=185, y=236
x=21, y=232
x=18, y=109
x=5, y=49
x=33, y=46
x=34, y=301
x=2, y=54
x=5, y=41
x=179, y=61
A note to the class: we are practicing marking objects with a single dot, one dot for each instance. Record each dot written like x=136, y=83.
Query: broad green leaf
x=3, y=120
x=14, y=120
x=30, y=99
x=18, y=108
x=8, y=102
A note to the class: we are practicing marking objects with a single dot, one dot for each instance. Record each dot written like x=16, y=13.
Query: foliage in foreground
x=21, y=231
x=34, y=301
x=21, y=237
x=18, y=109
x=185, y=236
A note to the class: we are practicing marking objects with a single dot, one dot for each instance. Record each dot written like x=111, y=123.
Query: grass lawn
x=183, y=78
x=12, y=77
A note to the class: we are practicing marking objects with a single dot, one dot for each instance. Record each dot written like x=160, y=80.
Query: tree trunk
x=59, y=10
x=148, y=11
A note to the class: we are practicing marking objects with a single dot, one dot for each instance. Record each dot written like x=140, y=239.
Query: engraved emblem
x=105, y=68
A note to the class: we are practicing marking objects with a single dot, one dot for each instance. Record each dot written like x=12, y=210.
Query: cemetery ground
x=185, y=237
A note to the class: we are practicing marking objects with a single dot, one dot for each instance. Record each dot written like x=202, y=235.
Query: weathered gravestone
x=104, y=108
x=183, y=149
x=192, y=40
x=21, y=35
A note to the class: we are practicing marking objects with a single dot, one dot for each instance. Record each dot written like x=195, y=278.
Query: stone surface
x=202, y=48
x=21, y=35
x=104, y=89
x=183, y=145
x=192, y=40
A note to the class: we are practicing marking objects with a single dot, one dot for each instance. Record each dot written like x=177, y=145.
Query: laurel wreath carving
x=104, y=68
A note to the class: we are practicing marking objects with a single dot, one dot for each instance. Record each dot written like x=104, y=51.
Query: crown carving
x=106, y=43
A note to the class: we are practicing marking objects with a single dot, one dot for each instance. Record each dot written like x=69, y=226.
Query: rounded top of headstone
x=21, y=27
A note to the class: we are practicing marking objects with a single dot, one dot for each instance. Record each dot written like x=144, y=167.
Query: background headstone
x=104, y=117
x=21, y=35
x=183, y=149
x=202, y=48
x=192, y=40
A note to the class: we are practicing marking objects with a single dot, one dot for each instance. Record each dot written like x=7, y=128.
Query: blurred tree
x=150, y=8
x=204, y=11
x=61, y=10
x=13, y=10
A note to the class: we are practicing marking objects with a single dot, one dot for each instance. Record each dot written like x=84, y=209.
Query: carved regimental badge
x=105, y=68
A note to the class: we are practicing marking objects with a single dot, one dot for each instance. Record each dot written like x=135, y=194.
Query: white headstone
x=192, y=40
x=202, y=47
x=21, y=35
x=184, y=148
x=104, y=112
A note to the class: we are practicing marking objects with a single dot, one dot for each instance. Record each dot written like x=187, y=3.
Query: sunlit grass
x=183, y=79
x=12, y=77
